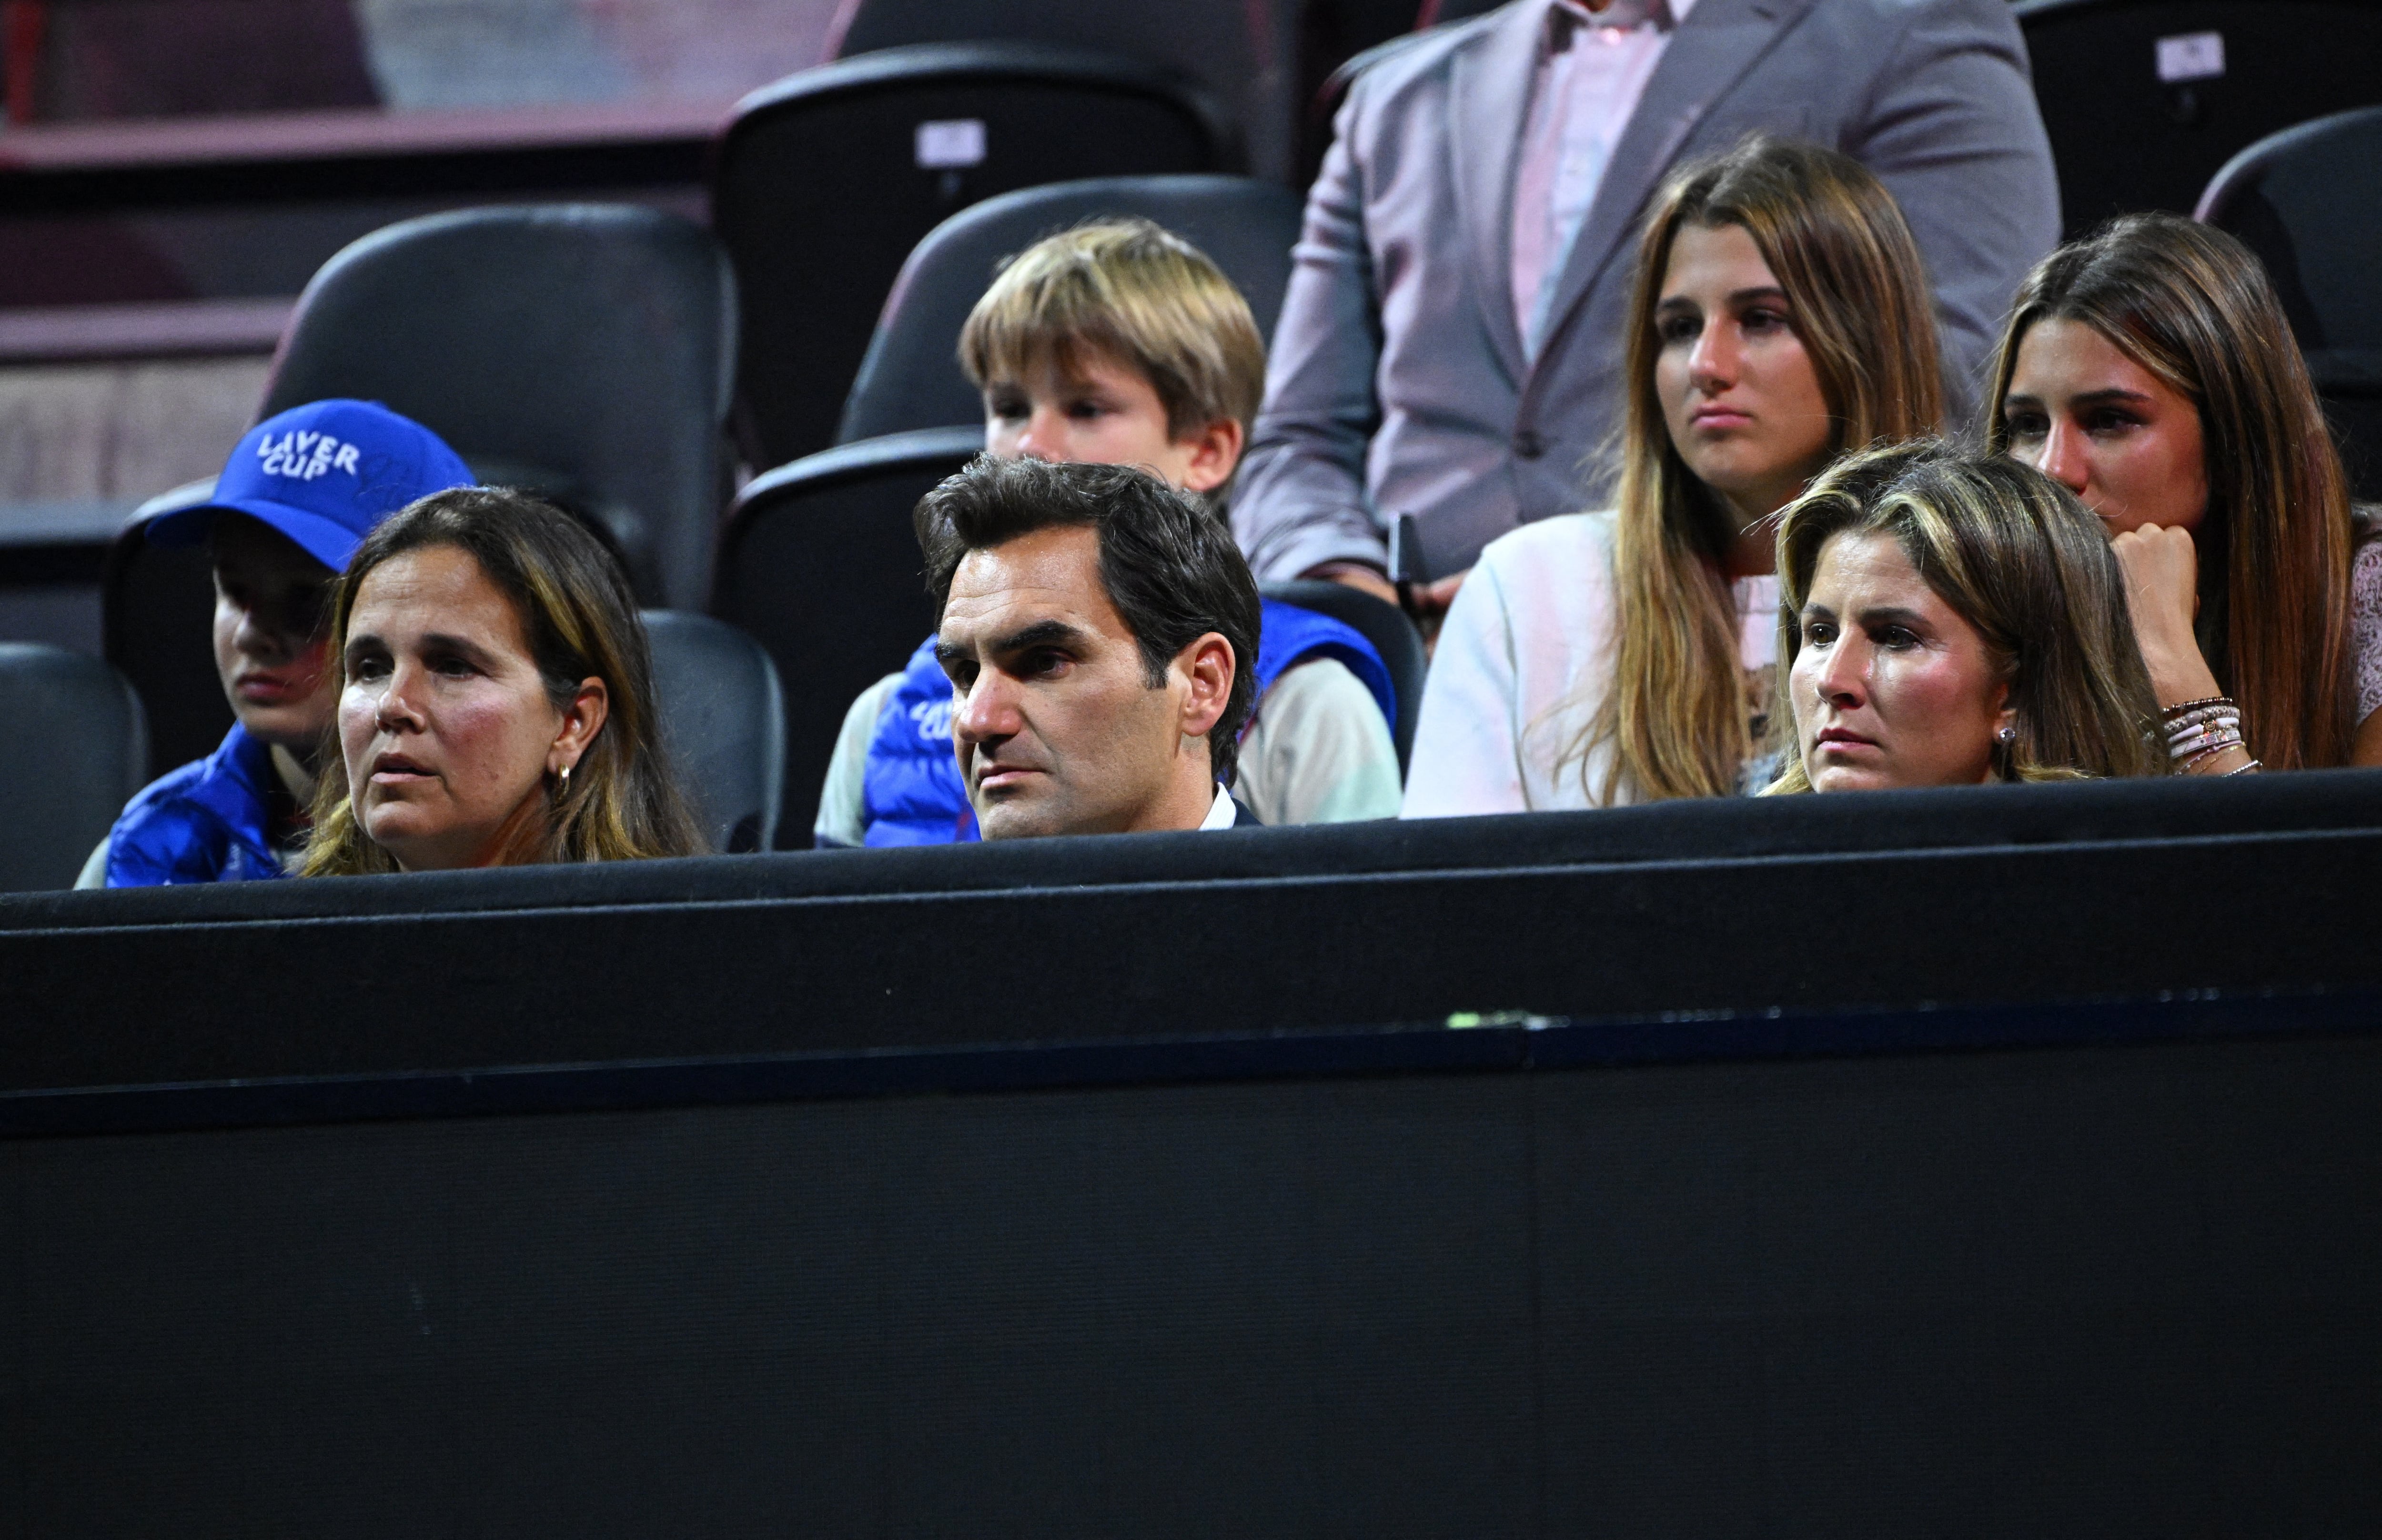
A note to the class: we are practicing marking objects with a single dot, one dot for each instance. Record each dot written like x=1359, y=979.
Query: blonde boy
x=1120, y=343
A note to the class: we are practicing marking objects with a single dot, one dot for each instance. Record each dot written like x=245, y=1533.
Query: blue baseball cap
x=323, y=474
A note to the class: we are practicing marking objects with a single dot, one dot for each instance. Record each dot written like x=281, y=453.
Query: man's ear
x=1215, y=454
x=1208, y=665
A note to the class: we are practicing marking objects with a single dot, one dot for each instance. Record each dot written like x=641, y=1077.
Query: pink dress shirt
x=1592, y=69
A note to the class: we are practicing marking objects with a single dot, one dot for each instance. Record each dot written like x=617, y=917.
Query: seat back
x=1234, y=52
x=73, y=751
x=824, y=182
x=583, y=350
x=819, y=564
x=2146, y=99
x=911, y=377
x=1387, y=627
x=723, y=724
x=156, y=607
x=2309, y=201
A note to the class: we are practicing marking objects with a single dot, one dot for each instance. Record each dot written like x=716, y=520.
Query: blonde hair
x=1676, y=714
x=2019, y=559
x=621, y=803
x=1131, y=291
x=2191, y=305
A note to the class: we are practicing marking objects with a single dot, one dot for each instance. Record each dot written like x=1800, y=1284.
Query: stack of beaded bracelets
x=2199, y=729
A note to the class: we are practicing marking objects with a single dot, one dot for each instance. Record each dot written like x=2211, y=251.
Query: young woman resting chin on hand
x=2150, y=371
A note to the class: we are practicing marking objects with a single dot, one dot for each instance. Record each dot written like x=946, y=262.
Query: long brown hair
x=622, y=802
x=1676, y=714
x=2019, y=559
x=2191, y=305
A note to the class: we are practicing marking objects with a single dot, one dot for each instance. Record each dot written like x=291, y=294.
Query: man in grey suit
x=1411, y=373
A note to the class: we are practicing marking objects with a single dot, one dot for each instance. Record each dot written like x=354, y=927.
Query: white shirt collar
x=1221, y=813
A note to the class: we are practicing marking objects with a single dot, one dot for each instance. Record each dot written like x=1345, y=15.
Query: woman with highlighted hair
x=1950, y=618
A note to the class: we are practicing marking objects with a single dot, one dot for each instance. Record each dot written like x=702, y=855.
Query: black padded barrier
x=1992, y=896
x=2095, y=1292
x=1973, y=1163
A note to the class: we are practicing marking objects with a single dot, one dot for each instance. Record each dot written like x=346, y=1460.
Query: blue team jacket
x=206, y=822
x=911, y=790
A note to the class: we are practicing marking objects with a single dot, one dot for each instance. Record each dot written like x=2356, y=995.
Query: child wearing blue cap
x=295, y=500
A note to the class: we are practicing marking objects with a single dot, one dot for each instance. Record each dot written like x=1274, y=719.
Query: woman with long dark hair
x=2150, y=368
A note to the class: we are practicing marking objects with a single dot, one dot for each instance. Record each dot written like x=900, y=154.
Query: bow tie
x=1565, y=21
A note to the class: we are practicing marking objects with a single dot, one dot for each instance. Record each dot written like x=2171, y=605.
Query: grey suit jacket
x=1397, y=382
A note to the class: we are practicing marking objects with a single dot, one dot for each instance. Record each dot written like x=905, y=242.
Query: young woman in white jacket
x=1781, y=316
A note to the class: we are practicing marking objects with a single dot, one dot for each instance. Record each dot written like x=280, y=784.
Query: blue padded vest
x=205, y=822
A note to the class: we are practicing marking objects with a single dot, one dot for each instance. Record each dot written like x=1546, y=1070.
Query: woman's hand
x=2163, y=592
x=2162, y=573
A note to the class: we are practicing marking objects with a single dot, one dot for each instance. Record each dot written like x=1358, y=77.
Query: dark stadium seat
x=723, y=723
x=1386, y=627
x=825, y=181
x=2309, y=201
x=1234, y=52
x=818, y=563
x=73, y=750
x=156, y=618
x=583, y=350
x=1266, y=58
x=911, y=377
x=2146, y=99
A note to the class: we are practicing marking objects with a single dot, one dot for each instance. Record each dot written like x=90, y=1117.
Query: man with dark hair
x=1097, y=628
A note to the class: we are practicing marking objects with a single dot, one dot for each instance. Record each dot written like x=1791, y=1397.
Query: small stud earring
x=2007, y=735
